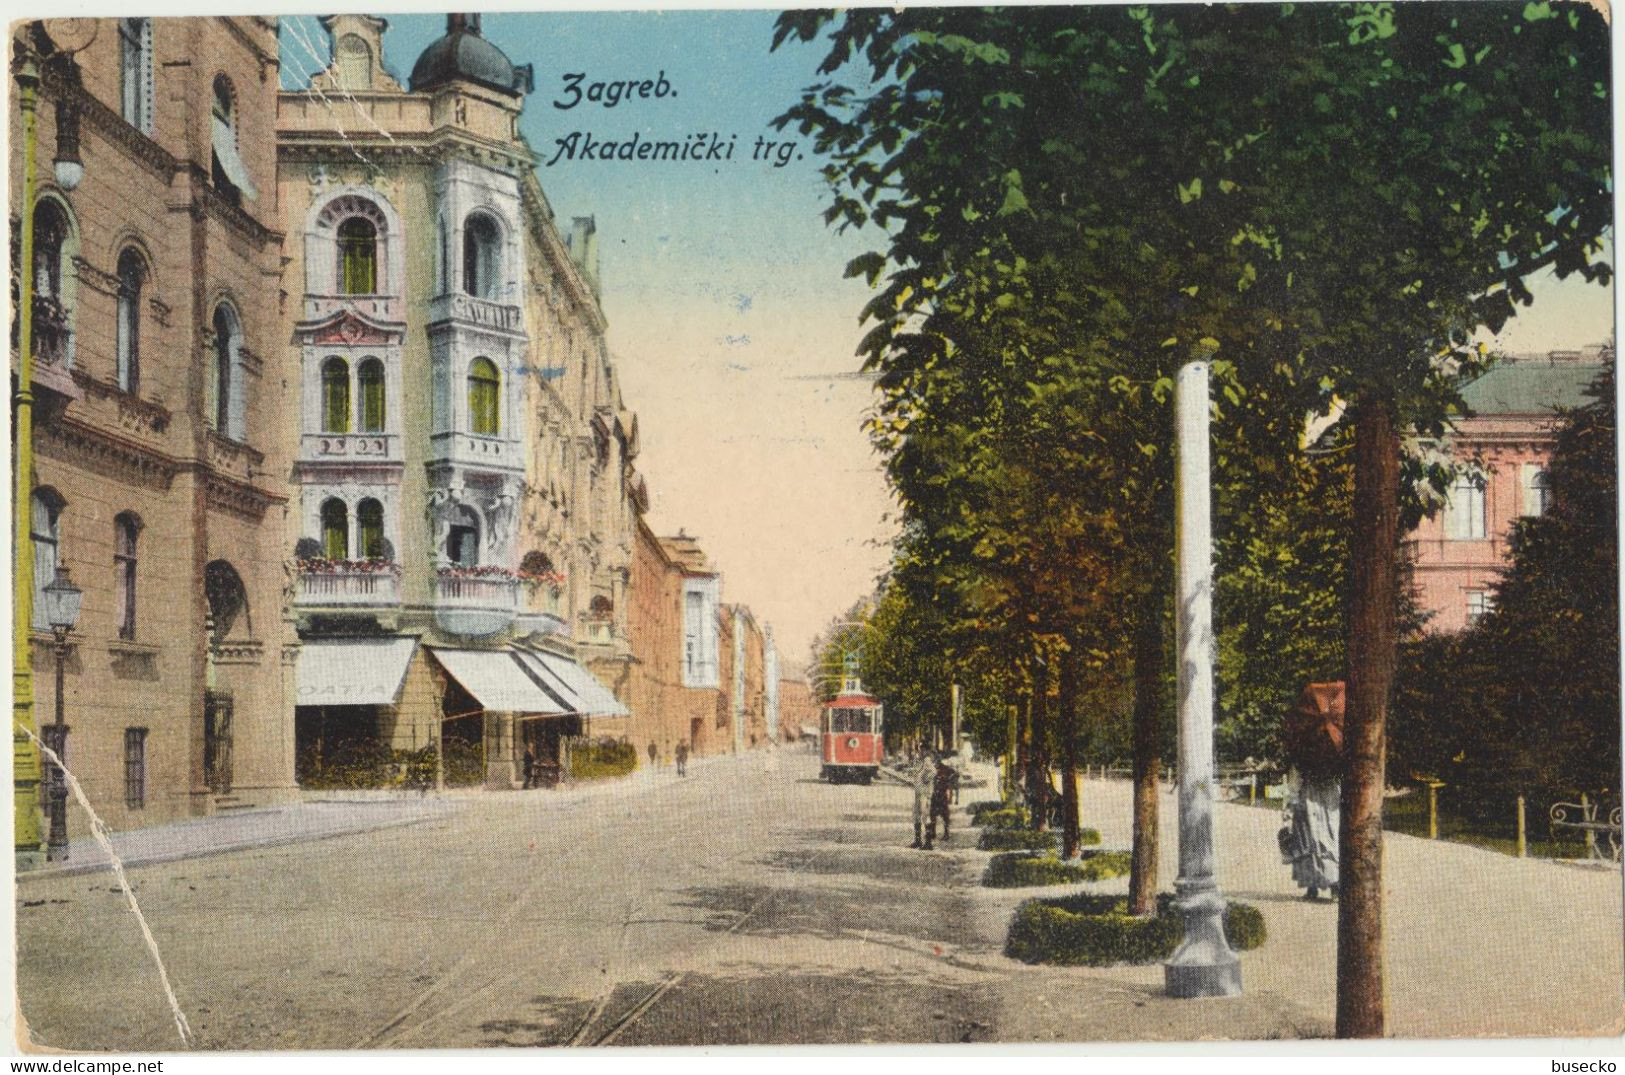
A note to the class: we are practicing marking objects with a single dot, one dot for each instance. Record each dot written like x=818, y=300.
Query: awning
x=498, y=682
x=225, y=148
x=589, y=697
x=352, y=671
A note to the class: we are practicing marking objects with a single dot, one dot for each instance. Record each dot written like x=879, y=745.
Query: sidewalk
x=336, y=812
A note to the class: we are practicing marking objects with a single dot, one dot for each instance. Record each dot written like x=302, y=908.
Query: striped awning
x=500, y=682
x=574, y=683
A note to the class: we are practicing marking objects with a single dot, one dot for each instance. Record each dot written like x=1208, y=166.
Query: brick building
x=159, y=459
x=1458, y=553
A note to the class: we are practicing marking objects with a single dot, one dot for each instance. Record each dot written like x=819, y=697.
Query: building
x=159, y=460
x=1458, y=554
x=464, y=477
x=798, y=710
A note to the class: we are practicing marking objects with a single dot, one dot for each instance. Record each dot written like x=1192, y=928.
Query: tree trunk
x=1069, y=753
x=1142, y=885
x=1021, y=778
x=1038, y=754
x=1371, y=648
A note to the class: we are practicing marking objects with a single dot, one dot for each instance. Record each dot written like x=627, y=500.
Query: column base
x=1189, y=980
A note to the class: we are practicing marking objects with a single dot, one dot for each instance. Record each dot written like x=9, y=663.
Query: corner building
x=461, y=528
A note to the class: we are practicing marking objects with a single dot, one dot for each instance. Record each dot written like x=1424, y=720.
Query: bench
x=1582, y=817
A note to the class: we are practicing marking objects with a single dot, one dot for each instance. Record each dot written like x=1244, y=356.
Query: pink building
x=1461, y=550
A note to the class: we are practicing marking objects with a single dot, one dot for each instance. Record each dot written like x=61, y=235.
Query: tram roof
x=851, y=701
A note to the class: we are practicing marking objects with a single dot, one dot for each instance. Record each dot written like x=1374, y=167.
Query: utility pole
x=1203, y=965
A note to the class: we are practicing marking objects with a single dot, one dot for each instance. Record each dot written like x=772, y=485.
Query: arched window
x=484, y=394
x=131, y=276
x=335, y=530
x=371, y=381
x=335, y=395
x=601, y=608
x=481, y=256
x=51, y=314
x=354, y=63
x=358, y=257
x=229, y=175
x=135, y=72
x=463, y=539
x=228, y=601
x=225, y=388
x=369, y=517
x=126, y=529
x=44, y=527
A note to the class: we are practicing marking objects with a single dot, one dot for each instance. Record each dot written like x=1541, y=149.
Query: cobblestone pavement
x=752, y=903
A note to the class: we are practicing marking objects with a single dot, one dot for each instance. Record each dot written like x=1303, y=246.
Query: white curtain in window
x=1464, y=514
x=225, y=148
x=43, y=528
x=1534, y=489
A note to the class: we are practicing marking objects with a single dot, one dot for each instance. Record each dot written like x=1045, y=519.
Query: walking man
x=652, y=753
x=682, y=757
x=945, y=782
x=530, y=767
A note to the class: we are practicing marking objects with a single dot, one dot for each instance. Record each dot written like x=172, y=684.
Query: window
x=44, y=529
x=131, y=276
x=370, y=530
x=225, y=406
x=358, y=257
x=463, y=540
x=229, y=175
x=1479, y=604
x=335, y=530
x=1537, y=489
x=484, y=390
x=135, y=768
x=335, y=395
x=50, y=325
x=371, y=379
x=126, y=529
x=1464, y=513
x=699, y=637
x=135, y=72
x=480, y=256
x=354, y=63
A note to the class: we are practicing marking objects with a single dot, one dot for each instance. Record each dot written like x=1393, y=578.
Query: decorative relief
x=160, y=311
x=105, y=282
x=350, y=330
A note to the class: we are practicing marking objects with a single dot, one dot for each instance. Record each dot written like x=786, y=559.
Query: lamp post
x=62, y=599
x=69, y=36
x=1203, y=965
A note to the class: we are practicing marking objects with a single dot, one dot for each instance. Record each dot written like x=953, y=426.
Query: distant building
x=159, y=447
x=1459, y=553
x=798, y=711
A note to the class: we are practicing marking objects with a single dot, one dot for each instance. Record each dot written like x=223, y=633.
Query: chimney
x=583, y=245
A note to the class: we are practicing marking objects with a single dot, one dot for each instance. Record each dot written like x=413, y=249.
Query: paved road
x=749, y=903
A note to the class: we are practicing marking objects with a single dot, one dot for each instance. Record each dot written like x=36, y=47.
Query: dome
x=464, y=54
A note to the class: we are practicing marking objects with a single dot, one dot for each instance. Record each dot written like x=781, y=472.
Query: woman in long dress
x=1312, y=814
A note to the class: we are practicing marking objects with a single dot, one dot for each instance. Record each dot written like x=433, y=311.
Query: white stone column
x=1203, y=965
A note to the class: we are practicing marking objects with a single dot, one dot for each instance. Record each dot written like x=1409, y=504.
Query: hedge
x=1098, y=931
x=1017, y=869
x=1015, y=840
x=1010, y=818
x=596, y=759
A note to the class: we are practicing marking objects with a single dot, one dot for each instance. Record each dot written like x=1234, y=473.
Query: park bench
x=1582, y=817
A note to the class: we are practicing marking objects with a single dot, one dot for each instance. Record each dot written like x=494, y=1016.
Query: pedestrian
x=652, y=753
x=944, y=783
x=1308, y=835
x=682, y=757
x=530, y=767
x=920, y=776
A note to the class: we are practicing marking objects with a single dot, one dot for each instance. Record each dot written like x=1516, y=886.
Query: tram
x=850, y=735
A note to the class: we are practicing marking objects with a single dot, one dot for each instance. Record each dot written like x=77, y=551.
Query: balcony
x=372, y=307
x=53, y=348
x=348, y=588
x=475, y=605
x=474, y=450
x=478, y=313
x=350, y=448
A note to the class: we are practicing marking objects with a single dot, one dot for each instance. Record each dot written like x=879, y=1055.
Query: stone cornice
x=545, y=233
x=239, y=498
x=113, y=126
x=154, y=415
x=212, y=203
x=97, y=443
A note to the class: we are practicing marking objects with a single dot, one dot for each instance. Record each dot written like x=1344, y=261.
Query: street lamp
x=61, y=599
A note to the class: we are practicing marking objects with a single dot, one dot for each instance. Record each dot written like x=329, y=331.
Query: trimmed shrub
x=1017, y=869
x=981, y=811
x=1011, y=818
x=1016, y=840
x=1098, y=931
x=598, y=759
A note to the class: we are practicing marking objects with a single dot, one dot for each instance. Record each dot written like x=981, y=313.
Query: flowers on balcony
x=322, y=565
x=551, y=579
x=494, y=571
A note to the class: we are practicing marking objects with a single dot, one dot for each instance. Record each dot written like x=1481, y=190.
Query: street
x=750, y=903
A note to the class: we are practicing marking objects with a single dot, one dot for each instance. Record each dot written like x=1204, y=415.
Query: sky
x=730, y=322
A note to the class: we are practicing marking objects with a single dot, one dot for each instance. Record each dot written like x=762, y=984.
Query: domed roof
x=464, y=54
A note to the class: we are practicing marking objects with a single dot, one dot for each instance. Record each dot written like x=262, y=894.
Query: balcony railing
x=350, y=447
x=52, y=336
x=481, y=313
x=348, y=589
x=474, y=450
x=376, y=307
x=475, y=605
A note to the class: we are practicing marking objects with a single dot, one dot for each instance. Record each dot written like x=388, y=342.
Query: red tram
x=850, y=736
